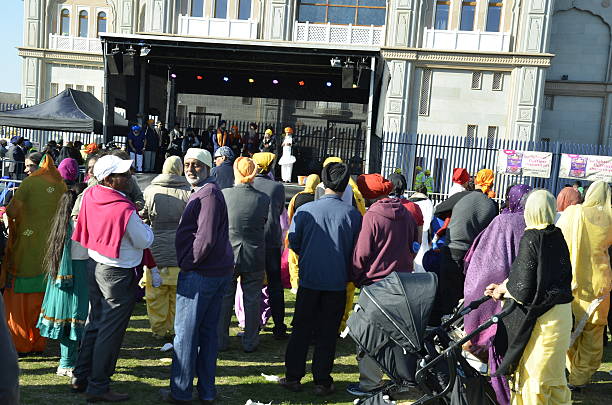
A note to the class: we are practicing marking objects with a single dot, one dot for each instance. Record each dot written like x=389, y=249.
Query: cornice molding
x=426, y=56
x=75, y=58
x=584, y=89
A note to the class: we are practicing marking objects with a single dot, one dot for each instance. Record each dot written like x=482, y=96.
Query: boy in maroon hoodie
x=384, y=245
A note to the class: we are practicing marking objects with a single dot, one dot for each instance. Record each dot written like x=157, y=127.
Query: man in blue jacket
x=223, y=172
x=323, y=233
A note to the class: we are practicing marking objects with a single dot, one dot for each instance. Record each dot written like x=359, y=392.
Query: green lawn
x=142, y=370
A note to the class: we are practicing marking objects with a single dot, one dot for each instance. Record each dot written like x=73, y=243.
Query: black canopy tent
x=70, y=111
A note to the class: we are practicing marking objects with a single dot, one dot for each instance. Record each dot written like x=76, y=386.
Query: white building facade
x=481, y=68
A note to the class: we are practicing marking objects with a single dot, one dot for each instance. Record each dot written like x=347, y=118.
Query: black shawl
x=540, y=278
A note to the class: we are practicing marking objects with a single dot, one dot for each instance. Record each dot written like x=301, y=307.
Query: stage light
x=274, y=81
x=199, y=77
x=328, y=84
x=251, y=80
x=225, y=79
x=173, y=75
x=301, y=83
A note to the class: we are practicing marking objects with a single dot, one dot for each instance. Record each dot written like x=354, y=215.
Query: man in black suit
x=17, y=157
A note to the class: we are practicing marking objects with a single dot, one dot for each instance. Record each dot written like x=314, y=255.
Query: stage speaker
x=347, y=77
x=114, y=63
x=129, y=64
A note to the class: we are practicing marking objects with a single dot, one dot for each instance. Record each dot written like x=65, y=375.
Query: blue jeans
x=198, y=307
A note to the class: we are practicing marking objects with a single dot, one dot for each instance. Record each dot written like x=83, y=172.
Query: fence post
x=556, y=167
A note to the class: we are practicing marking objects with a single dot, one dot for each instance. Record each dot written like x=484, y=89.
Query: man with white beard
x=206, y=259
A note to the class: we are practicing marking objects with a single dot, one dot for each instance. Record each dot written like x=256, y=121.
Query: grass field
x=142, y=370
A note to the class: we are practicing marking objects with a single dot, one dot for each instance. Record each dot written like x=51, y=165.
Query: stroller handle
x=466, y=310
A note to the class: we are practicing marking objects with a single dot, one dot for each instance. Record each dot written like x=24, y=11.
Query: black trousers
x=317, y=313
x=275, y=289
x=111, y=301
x=450, y=283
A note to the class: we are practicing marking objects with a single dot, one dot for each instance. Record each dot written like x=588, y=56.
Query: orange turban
x=245, y=170
x=289, y=130
x=484, y=179
x=373, y=186
x=91, y=148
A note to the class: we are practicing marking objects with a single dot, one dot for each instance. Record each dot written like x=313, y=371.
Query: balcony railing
x=75, y=44
x=217, y=27
x=467, y=40
x=325, y=108
x=338, y=34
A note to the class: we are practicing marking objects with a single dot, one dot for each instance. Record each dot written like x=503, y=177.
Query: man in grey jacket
x=276, y=192
x=247, y=210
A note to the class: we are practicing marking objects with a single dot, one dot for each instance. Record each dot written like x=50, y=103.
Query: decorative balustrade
x=217, y=27
x=338, y=34
x=75, y=44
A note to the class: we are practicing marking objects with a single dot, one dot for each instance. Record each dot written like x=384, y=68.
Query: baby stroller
x=389, y=324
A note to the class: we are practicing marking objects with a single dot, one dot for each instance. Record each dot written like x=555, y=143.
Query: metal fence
x=40, y=137
x=441, y=154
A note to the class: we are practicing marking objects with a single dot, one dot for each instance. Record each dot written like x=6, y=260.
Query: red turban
x=460, y=176
x=373, y=185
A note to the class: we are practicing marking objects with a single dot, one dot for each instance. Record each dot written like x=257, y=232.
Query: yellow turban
x=173, y=165
x=264, y=159
x=268, y=132
x=484, y=179
x=245, y=170
x=332, y=159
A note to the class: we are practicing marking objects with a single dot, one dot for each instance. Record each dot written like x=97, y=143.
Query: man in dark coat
x=223, y=172
x=17, y=156
x=247, y=210
x=276, y=192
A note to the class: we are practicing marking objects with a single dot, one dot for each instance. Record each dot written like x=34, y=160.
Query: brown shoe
x=322, y=390
x=293, y=386
x=108, y=396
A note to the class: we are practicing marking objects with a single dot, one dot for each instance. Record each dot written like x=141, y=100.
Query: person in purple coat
x=489, y=259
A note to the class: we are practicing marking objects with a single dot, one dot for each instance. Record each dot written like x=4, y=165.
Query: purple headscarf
x=515, y=201
x=488, y=261
x=69, y=169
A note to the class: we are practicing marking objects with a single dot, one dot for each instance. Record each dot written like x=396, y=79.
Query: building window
x=68, y=86
x=441, y=21
x=83, y=25
x=91, y=89
x=470, y=135
x=220, y=8
x=79, y=87
x=53, y=89
x=491, y=137
x=468, y=9
x=425, y=92
x=247, y=100
x=494, y=15
x=301, y=104
x=101, y=22
x=549, y=102
x=498, y=81
x=65, y=22
x=356, y=12
x=197, y=8
x=476, y=80
x=244, y=9
x=271, y=101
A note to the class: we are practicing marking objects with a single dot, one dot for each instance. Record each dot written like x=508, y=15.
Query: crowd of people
x=212, y=235
x=150, y=144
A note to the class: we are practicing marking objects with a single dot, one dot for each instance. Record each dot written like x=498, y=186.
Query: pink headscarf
x=69, y=169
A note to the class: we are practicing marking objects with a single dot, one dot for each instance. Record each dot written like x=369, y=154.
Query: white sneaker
x=64, y=372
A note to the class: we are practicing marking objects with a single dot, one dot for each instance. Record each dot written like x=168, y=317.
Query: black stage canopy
x=71, y=111
x=247, y=68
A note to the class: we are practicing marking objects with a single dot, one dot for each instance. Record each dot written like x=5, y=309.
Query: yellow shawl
x=587, y=229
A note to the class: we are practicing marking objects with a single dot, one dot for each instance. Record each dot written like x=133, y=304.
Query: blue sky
x=11, y=36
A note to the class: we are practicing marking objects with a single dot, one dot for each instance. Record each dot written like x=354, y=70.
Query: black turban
x=399, y=183
x=335, y=176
